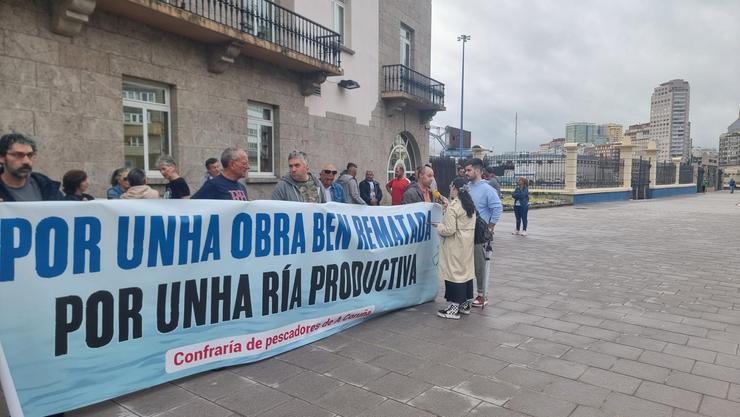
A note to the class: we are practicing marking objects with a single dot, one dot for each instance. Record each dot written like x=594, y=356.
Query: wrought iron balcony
x=415, y=89
x=257, y=28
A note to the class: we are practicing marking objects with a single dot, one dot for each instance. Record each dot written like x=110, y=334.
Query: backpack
x=482, y=234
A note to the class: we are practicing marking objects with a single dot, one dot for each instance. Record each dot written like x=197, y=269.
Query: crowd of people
x=475, y=193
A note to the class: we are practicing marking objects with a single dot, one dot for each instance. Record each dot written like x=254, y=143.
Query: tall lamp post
x=464, y=39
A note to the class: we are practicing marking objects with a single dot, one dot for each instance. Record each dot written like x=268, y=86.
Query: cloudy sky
x=555, y=62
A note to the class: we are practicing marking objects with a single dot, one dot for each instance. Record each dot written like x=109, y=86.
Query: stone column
x=652, y=152
x=625, y=153
x=571, y=167
x=677, y=162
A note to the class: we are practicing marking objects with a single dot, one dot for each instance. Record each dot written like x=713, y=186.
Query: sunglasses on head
x=327, y=171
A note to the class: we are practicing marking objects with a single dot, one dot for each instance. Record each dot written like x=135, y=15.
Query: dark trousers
x=521, y=216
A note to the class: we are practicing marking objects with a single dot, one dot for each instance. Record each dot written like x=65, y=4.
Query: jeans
x=479, y=259
x=521, y=216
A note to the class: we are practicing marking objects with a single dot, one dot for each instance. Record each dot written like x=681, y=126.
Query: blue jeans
x=521, y=216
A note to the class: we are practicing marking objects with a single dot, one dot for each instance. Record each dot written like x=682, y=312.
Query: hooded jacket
x=140, y=192
x=351, y=189
x=287, y=189
x=49, y=188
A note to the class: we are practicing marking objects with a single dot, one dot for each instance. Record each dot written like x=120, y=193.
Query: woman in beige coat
x=456, y=265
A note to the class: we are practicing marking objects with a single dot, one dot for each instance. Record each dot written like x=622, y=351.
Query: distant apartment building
x=553, y=146
x=640, y=136
x=729, y=146
x=614, y=132
x=669, y=120
x=581, y=132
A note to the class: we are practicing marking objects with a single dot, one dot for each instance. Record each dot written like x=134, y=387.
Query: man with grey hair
x=299, y=184
x=177, y=187
x=18, y=182
x=227, y=186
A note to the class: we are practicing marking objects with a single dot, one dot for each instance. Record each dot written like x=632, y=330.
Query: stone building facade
x=107, y=83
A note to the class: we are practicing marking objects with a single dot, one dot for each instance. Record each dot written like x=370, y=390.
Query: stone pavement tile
x=295, y=407
x=334, y=342
x=610, y=380
x=577, y=392
x=362, y=351
x=713, y=345
x=569, y=339
x=197, y=407
x=675, y=397
x=398, y=387
x=477, y=364
x=597, y=333
x=308, y=385
x=665, y=336
x=393, y=408
x=514, y=355
x=489, y=390
x=581, y=319
x=707, y=324
x=628, y=406
x=269, y=371
x=531, y=330
x=498, y=337
x=641, y=370
x=443, y=402
x=357, y=373
x=691, y=353
x=722, y=373
x=539, y=405
x=520, y=317
x=214, y=385
x=716, y=407
x=590, y=358
x=312, y=358
x=699, y=384
x=544, y=347
x=584, y=411
x=560, y=367
x=641, y=342
x=667, y=361
x=349, y=401
x=731, y=334
x=441, y=375
x=621, y=327
x=485, y=409
x=399, y=362
x=558, y=325
x=104, y=409
x=732, y=361
x=615, y=349
x=524, y=377
x=156, y=400
x=513, y=305
x=254, y=400
x=677, y=412
x=734, y=394
x=539, y=302
x=546, y=312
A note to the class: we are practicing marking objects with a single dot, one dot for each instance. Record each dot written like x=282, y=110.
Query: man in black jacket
x=370, y=190
x=17, y=181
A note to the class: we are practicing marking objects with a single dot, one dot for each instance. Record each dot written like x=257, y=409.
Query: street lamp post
x=464, y=39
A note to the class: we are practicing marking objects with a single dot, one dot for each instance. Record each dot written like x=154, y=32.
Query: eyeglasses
x=326, y=171
x=21, y=155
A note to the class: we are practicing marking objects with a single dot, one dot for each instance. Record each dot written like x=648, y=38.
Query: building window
x=338, y=13
x=260, y=138
x=402, y=153
x=146, y=125
x=406, y=41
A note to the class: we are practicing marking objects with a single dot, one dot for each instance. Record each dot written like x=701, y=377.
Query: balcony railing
x=271, y=22
x=400, y=78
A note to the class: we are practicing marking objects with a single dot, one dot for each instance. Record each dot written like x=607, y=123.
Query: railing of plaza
x=601, y=171
x=402, y=78
x=543, y=171
x=640, y=178
x=685, y=173
x=665, y=173
x=269, y=21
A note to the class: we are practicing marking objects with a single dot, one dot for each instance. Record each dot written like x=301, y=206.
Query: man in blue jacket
x=333, y=191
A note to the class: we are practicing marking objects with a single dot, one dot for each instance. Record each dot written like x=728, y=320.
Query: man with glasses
x=18, y=182
x=333, y=191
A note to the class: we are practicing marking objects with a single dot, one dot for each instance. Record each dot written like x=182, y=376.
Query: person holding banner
x=74, y=184
x=332, y=190
x=227, y=186
x=18, y=182
x=299, y=185
x=456, y=264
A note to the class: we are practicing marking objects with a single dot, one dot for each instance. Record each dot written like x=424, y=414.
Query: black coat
x=49, y=188
x=365, y=191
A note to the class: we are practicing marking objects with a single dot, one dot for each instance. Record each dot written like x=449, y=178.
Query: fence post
x=677, y=162
x=625, y=153
x=571, y=167
x=652, y=152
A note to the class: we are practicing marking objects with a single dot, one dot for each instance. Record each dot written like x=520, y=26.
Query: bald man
x=333, y=191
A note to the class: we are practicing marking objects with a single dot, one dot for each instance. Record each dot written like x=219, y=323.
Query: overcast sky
x=555, y=62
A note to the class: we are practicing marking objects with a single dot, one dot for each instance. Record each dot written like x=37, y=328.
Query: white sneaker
x=523, y=233
x=515, y=232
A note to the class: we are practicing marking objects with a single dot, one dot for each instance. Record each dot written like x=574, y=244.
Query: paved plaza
x=627, y=309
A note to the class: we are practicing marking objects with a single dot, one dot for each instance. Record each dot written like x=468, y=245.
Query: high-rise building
x=729, y=145
x=669, y=120
x=580, y=132
x=640, y=136
x=614, y=132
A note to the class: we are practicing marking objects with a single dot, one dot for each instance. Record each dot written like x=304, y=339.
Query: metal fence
x=543, y=171
x=640, y=178
x=685, y=173
x=665, y=173
x=602, y=171
x=266, y=20
x=402, y=78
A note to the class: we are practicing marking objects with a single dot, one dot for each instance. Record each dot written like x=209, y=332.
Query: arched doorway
x=405, y=152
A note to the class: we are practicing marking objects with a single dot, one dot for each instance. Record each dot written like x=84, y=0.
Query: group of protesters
x=474, y=193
